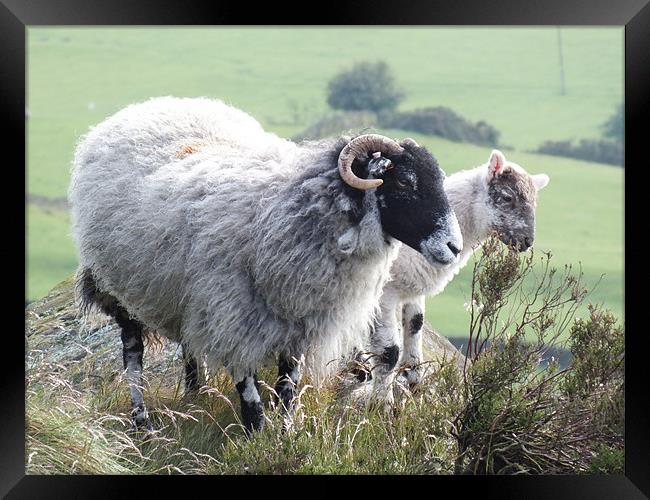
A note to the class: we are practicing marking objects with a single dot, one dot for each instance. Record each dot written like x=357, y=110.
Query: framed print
x=388, y=241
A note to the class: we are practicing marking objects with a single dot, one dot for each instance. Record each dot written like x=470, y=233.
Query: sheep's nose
x=454, y=249
x=528, y=242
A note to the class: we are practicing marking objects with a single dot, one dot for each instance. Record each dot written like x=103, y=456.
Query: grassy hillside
x=51, y=255
x=507, y=76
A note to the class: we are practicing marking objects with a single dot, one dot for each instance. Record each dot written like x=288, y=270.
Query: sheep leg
x=412, y=321
x=252, y=410
x=191, y=371
x=384, y=346
x=132, y=351
x=288, y=379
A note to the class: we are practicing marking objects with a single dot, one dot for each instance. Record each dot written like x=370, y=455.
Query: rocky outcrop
x=56, y=335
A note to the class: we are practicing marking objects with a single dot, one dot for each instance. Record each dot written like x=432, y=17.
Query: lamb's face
x=414, y=207
x=512, y=200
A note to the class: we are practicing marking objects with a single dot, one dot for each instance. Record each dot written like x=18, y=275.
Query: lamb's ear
x=496, y=164
x=540, y=180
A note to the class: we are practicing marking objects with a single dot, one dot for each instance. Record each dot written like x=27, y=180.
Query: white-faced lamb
x=193, y=221
x=498, y=196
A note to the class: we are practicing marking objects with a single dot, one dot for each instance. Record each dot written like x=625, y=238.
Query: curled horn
x=410, y=142
x=359, y=148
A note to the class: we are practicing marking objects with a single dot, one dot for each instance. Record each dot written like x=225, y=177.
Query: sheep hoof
x=382, y=398
x=253, y=418
x=191, y=392
x=287, y=424
x=361, y=375
x=402, y=379
x=140, y=420
x=412, y=377
x=252, y=428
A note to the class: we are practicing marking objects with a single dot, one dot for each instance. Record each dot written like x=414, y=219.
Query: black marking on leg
x=362, y=375
x=132, y=339
x=390, y=356
x=191, y=371
x=252, y=410
x=416, y=323
x=86, y=290
x=140, y=418
x=412, y=375
x=132, y=354
x=132, y=344
x=92, y=296
x=359, y=368
x=288, y=378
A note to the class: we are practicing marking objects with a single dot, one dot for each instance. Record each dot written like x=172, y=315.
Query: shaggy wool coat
x=208, y=229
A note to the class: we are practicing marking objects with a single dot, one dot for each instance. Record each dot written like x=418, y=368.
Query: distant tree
x=365, y=87
x=598, y=150
x=443, y=122
x=614, y=127
x=610, y=149
x=337, y=123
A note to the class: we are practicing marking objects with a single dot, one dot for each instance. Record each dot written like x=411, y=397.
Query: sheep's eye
x=506, y=198
x=401, y=184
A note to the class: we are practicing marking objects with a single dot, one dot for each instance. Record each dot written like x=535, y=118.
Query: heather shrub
x=521, y=415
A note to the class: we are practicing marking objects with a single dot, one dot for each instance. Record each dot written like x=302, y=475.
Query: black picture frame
x=17, y=15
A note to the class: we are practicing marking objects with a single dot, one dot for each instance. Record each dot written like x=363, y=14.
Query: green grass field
x=509, y=77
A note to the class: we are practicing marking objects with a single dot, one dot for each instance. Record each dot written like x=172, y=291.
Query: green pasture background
x=509, y=77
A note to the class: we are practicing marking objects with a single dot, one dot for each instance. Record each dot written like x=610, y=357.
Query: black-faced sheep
x=193, y=221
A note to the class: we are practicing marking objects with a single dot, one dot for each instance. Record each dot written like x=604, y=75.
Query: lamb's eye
x=506, y=198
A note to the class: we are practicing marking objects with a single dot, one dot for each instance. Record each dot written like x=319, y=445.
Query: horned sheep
x=193, y=221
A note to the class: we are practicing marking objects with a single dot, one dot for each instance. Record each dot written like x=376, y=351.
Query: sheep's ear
x=540, y=180
x=378, y=166
x=348, y=241
x=496, y=164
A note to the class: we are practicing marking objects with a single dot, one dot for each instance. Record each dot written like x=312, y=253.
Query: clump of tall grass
x=86, y=429
x=65, y=436
x=331, y=435
x=73, y=431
